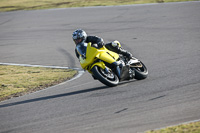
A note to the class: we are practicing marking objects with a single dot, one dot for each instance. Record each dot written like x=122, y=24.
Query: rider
x=80, y=36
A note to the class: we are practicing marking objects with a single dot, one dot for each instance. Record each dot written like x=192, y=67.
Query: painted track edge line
x=29, y=65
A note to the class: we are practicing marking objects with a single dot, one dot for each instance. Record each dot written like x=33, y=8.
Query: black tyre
x=140, y=72
x=107, y=78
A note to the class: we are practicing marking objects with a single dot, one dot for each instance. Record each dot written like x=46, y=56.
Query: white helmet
x=79, y=36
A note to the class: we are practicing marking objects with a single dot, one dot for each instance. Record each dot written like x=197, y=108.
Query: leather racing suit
x=99, y=41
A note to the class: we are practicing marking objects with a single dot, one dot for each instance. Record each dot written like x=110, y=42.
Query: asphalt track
x=166, y=37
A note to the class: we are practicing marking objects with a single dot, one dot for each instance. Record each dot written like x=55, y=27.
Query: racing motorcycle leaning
x=109, y=67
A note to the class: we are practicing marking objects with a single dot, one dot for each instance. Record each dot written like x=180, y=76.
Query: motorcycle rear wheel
x=110, y=79
x=140, y=72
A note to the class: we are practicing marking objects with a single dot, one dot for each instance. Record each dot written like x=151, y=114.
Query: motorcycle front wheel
x=108, y=78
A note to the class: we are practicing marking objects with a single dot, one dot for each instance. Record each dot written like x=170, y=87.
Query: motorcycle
x=109, y=67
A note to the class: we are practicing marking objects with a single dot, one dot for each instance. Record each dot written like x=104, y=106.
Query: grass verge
x=17, y=80
x=14, y=5
x=193, y=127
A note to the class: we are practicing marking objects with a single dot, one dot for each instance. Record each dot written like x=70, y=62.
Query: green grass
x=14, y=5
x=193, y=127
x=18, y=80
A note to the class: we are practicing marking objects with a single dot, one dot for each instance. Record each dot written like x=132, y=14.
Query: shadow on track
x=54, y=96
x=62, y=95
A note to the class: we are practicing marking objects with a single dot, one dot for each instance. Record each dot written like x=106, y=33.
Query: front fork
x=118, y=70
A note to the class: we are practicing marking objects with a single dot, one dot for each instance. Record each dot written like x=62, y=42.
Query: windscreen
x=81, y=48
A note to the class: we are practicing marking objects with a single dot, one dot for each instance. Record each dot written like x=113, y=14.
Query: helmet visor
x=77, y=41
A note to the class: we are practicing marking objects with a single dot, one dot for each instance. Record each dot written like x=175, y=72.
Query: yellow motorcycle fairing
x=92, y=54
